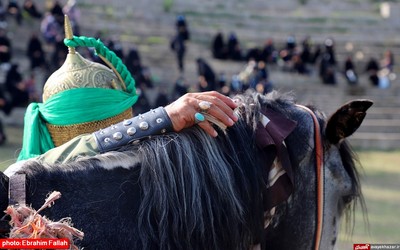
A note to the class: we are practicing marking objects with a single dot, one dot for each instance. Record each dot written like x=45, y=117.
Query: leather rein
x=16, y=197
x=319, y=168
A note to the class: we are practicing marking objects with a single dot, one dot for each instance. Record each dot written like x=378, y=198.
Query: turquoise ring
x=198, y=117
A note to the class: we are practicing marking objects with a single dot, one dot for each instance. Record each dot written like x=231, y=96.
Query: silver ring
x=198, y=117
x=204, y=106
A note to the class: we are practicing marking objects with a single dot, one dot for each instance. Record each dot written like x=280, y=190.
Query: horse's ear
x=346, y=120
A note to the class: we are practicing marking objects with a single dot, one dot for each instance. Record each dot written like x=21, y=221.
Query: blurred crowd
x=46, y=52
x=304, y=58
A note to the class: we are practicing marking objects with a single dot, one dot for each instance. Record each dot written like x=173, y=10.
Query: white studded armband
x=154, y=122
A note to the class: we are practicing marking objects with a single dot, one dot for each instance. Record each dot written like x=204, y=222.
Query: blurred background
x=326, y=51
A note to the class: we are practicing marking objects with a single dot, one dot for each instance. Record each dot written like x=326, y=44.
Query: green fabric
x=69, y=107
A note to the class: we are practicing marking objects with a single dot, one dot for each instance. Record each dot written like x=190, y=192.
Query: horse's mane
x=194, y=185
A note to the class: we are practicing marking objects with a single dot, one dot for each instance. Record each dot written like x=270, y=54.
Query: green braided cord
x=102, y=50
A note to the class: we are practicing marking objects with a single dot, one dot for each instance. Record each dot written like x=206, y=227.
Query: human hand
x=182, y=111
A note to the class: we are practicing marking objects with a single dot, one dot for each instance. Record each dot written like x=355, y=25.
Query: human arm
x=175, y=117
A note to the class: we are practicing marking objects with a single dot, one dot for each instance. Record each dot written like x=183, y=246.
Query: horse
x=188, y=190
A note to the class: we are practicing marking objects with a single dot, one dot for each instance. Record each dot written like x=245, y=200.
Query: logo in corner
x=361, y=247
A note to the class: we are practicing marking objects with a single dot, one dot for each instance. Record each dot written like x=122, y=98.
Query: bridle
x=319, y=168
x=16, y=191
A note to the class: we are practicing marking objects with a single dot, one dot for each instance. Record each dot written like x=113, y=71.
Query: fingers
x=182, y=111
x=208, y=128
x=221, y=106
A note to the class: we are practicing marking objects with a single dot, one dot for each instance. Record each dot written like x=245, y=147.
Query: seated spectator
x=372, y=69
x=5, y=101
x=13, y=9
x=305, y=54
x=330, y=51
x=115, y=45
x=133, y=62
x=298, y=65
x=3, y=16
x=180, y=88
x=5, y=47
x=269, y=54
x=145, y=78
x=254, y=54
x=327, y=70
x=350, y=71
x=30, y=8
x=388, y=61
x=16, y=87
x=287, y=53
x=35, y=52
x=57, y=11
x=50, y=29
x=234, y=49
x=207, y=78
x=162, y=98
x=219, y=49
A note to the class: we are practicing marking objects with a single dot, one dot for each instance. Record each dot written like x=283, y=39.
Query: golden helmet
x=78, y=72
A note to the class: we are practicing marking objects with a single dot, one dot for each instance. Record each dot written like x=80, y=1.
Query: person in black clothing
x=30, y=8
x=3, y=15
x=180, y=88
x=35, y=52
x=350, y=71
x=178, y=45
x=59, y=54
x=14, y=10
x=133, y=62
x=306, y=55
x=219, y=49
x=326, y=70
x=16, y=87
x=182, y=27
x=299, y=66
x=5, y=101
x=328, y=63
x=269, y=54
x=115, y=45
x=58, y=13
x=372, y=69
x=330, y=51
x=234, y=50
x=207, y=78
x=5, y=47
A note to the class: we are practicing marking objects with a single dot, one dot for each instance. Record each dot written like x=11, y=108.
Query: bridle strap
x=319, y=165
x=16, y=197
x=17, y=190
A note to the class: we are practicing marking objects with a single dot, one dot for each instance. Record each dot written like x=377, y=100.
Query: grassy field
x=381, y=188
x=380, y=184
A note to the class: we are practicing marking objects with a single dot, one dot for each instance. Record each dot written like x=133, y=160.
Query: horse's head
x=311, y=216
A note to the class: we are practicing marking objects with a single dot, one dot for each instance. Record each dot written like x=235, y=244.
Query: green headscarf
x=76, y=106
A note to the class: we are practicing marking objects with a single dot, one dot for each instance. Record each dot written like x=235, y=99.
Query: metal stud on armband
x=154, y=122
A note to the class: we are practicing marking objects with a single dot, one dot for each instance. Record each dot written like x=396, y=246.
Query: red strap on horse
x=319, y=165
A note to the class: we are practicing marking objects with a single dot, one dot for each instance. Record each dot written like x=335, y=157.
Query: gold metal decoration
x=78, y=72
